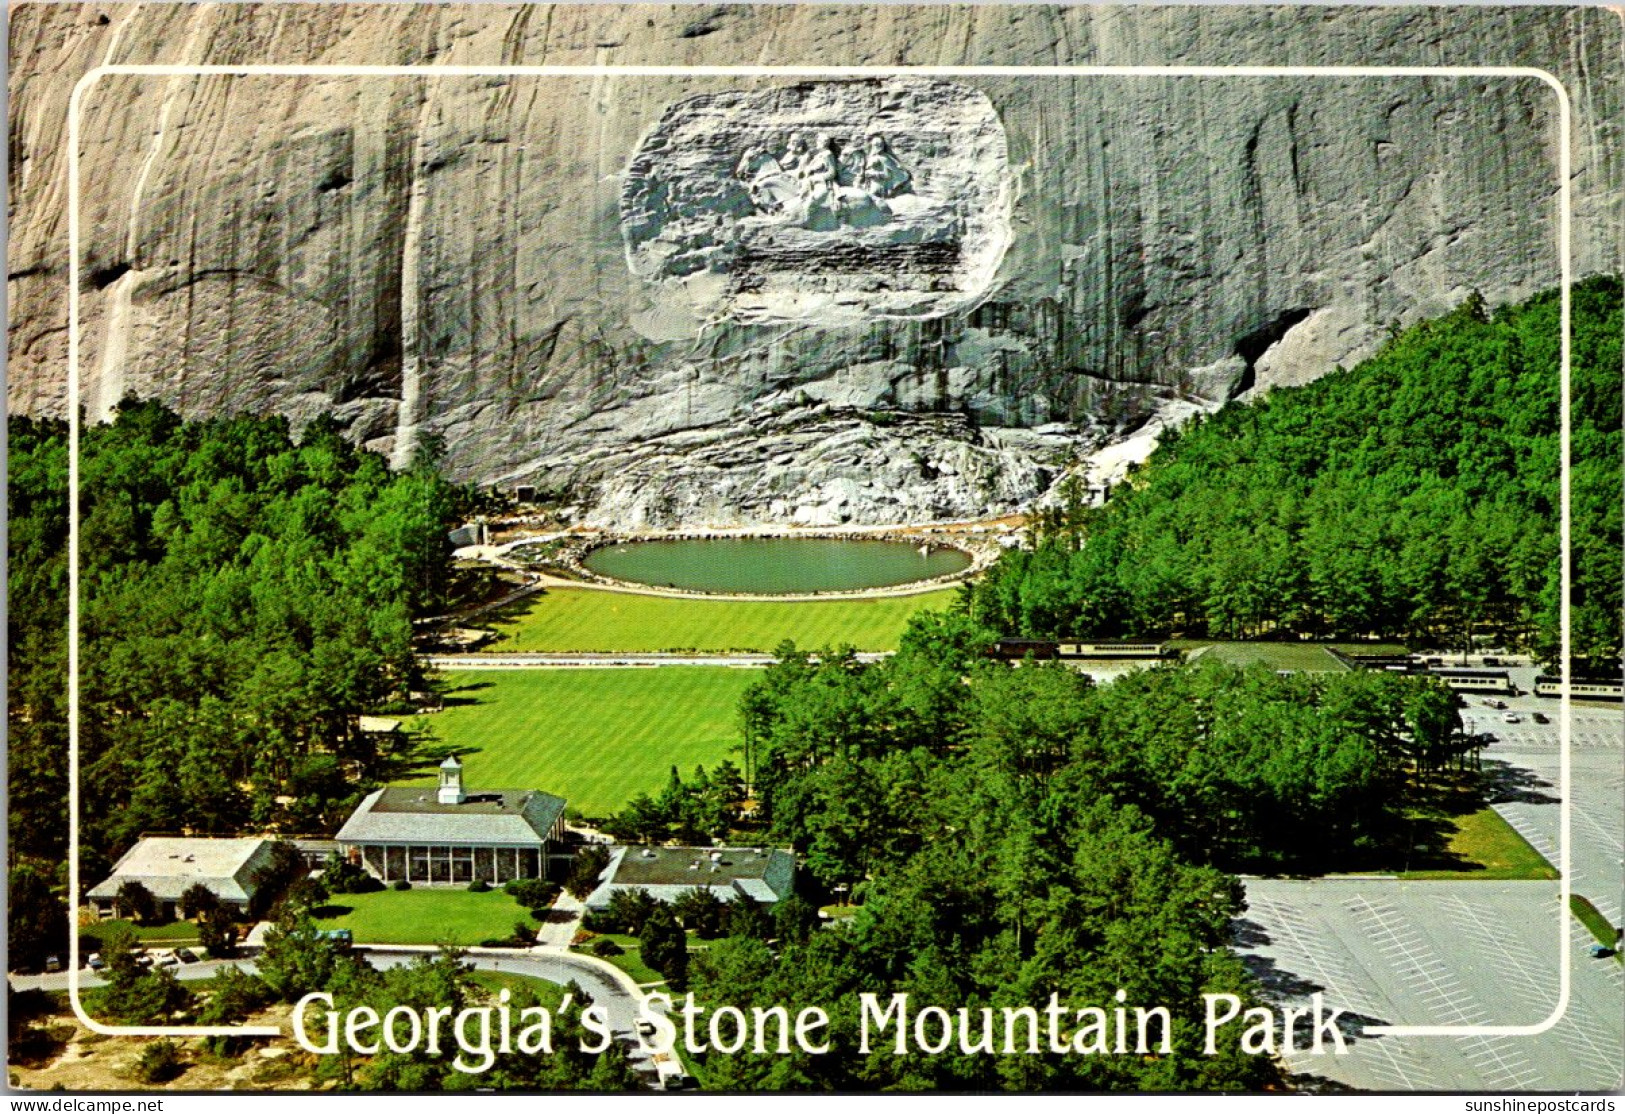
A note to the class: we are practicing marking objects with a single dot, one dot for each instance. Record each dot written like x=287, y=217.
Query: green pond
x=774, y=566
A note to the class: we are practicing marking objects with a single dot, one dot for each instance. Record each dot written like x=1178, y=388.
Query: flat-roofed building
x=453, y=836
x=761, y=874
x=168, y=866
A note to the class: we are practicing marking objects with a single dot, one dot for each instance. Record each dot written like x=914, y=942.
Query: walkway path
x=562, y=921
x=913, y=588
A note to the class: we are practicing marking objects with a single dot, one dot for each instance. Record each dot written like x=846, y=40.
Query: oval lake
x=774, y=566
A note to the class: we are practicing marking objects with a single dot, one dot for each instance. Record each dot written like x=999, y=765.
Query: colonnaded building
x=453, y=835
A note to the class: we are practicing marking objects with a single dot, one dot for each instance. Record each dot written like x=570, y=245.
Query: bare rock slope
x=449, y=254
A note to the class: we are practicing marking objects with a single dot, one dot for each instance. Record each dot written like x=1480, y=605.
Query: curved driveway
x=609, y=987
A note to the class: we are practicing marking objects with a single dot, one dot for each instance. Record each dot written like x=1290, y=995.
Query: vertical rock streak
x=406, y=426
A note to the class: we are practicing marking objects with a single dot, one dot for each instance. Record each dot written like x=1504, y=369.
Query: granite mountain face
x=518, y=266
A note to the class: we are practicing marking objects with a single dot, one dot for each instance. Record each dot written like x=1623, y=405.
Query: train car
x=1112, y=649
x=1474, y=680
x=1581, y=688
x=1014, y=649
x=1390, y=663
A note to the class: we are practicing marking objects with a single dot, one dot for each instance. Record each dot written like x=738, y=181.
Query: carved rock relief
x=830, y=203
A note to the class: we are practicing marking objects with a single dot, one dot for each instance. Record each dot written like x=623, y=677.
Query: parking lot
x=1470, y=953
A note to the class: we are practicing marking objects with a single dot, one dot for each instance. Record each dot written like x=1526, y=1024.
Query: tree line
x=1009, y=833
x=244, y=593
x=1414, y=496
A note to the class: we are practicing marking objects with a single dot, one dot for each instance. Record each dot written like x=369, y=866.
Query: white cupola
x=451, y=781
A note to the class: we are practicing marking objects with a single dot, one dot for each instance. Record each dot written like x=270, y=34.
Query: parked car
x=53, y=963
x=1540, y=717
x=1600, y=951
x=186, y=955
x=1492, y=661
x=1512, y=717
x=95, y=962
x=166, y=958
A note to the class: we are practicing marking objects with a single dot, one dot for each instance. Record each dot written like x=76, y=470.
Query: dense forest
x=1008, y=834
x=1002, y=834
x=1414, y=496
x=244, y=594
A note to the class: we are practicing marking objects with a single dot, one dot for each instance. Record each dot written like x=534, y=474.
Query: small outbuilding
x=168, y=866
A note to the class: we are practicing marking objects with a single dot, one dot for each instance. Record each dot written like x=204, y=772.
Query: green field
x=169, y=935
x=596, y=737
x=562, y=620
x=1487, y=848
x=424, y=916
x=630, y=960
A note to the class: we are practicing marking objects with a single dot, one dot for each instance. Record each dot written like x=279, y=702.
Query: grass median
x=589, y=620
x=1483, y=846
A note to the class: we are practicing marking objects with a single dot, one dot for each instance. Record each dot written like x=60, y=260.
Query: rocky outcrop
x=818, y=466
x=449, y=255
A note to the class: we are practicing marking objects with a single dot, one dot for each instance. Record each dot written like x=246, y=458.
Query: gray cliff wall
x=445, y=254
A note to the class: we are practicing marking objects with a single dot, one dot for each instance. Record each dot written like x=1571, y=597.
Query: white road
x=608, y=986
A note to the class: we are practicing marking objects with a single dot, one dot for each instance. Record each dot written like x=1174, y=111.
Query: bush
x=160, y=1061
x=523, y=933
x=400, y=884
x=344, y=877
x=599, y=920
x=605, y=948
x=532, y=893
x=479, y=886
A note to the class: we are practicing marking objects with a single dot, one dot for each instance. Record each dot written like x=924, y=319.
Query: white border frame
x=1564, y=247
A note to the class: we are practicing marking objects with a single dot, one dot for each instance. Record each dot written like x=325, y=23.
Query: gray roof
x=487, y=817
x=168, y=866
x=764, y=875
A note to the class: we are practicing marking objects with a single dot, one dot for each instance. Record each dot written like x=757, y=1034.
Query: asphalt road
x=616, y=993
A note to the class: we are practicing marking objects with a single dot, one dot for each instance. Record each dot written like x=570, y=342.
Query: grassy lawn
x=586, y=619
x=1597, y=924
x=630, y=960
x=596, y=737
x=1484, y=846
x=424, y=916
x=162, y=935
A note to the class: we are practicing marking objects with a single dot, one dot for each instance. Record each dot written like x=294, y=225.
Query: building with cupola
x=452, y=835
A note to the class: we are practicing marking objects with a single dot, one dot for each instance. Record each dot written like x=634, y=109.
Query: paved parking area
x=1469, y=953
